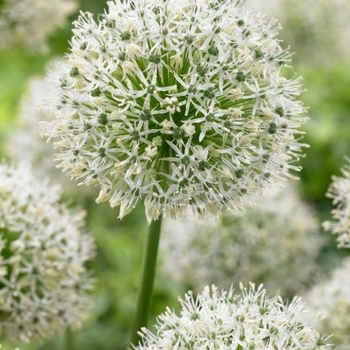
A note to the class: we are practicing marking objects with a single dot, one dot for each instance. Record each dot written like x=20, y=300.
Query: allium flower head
x=224, y=320
x=29, y=23
x=339, y=191
x=331, y=299
x=275, y=242
x=43, y=279
x=180, y=103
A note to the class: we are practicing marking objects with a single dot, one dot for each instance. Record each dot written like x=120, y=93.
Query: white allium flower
x=178, y=103
x=275, y=242
x=331, y=299
x=318, y=33
x=225, y=320
x=29, y=23
x=44, y=284
x=339, y=191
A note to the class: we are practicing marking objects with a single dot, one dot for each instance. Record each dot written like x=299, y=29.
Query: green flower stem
x=144, y=297
x=68, y=339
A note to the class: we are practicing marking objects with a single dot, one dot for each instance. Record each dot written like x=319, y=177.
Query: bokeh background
x=319, y=39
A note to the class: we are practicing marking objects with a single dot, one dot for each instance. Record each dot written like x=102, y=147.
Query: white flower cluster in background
x=339, y=191
x=225, y=320
x=275, y=242
x=178, y=103
x=25, y=141
x=331, y=299
x=28, y=23
x=44, y=284
x=318, y=33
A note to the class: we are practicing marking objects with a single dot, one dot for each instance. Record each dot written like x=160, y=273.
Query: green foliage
x=15, y=70
x=328, y=129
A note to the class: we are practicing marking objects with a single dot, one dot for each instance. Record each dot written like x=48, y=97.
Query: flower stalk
x=68, y=342
x=149, y=263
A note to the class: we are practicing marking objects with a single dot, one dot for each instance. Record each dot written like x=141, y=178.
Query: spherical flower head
x=178, y=103
x=225, y=320
x=29, y=23
x=339, y=191
x=44, y=283
x=247, y=247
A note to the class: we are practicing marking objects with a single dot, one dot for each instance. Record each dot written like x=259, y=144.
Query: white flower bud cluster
x=29, y=23
x=331, y=299
x=157, y=96
x=339, y=191
x=44, y=284
x=276, y=243
x=225, y=320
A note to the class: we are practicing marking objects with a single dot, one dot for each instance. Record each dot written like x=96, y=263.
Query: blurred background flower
x=29, y=23
x=277, y=243
x=25, y=142
x=331, y=299
x=44, y=283
x=339, y=191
